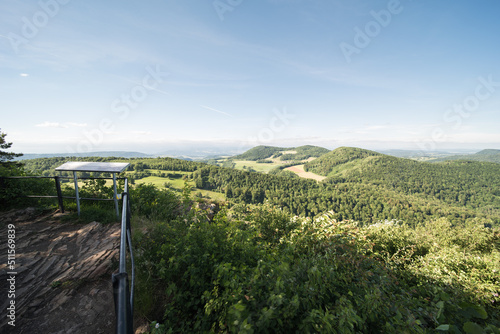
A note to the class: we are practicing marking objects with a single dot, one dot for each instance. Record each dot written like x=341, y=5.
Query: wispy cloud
x=218, y=111
x=66, y=125
x=141, y=133
x=50, y=125
x=78, y=125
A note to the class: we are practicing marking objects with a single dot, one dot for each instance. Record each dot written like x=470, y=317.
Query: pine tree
x=7, y=157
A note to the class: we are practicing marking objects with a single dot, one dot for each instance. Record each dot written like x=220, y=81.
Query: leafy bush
x=13, y=192
x=154, y=203
x=258, y=270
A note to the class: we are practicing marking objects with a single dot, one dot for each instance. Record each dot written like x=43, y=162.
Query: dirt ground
x=62, y=274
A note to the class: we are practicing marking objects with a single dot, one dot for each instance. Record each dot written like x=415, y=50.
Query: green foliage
x=470, y=184
x=407, y=247
x=91, y=212
x=271, y=224
x=46, y=166
x=279, y=171
x=342, y=155
x=153, y=203
x=260, y=153
x=7, y=157
x=97, y=188
x=366, y=186
x=258, y=270
x=13, y=192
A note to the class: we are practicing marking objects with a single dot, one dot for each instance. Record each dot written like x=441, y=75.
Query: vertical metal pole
x=116, y=196
x=59, y=194
x=77, y=195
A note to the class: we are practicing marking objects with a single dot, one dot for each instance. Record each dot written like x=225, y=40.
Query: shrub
x=154, y=203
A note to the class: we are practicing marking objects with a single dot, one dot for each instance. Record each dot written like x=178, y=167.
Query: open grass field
x=299, y=170
x=157, y=181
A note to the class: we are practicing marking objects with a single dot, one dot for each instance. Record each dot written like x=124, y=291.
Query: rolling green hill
x=259, y=152
x=346, y=157
x=284, y=153
x=471, y=184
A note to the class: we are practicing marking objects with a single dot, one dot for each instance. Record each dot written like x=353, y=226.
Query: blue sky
x=152, y=76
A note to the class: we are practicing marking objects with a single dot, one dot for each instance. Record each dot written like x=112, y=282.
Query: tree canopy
x=7, y=157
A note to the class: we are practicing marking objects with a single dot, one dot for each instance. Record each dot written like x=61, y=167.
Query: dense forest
x=464, y=183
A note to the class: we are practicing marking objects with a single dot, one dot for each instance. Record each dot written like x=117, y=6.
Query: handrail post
x=121, y=291
x=59, y=194
x=115, y=195
x=75, y=178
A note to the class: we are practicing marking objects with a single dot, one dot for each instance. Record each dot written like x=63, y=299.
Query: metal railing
x=123, y=296
x=57, y=180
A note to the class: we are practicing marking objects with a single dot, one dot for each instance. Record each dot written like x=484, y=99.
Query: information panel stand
x=97, y=167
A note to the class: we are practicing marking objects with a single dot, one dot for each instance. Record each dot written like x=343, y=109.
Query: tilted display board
x=96, y=167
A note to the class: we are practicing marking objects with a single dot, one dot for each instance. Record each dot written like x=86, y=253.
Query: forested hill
x=489, y=155
x=468, y=183
x=326, y=164
x=285, y=153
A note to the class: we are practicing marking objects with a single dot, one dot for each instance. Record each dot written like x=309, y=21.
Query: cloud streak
x=218, y=111
x=66, y=125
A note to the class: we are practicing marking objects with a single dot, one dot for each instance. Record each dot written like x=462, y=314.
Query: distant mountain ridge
x=488, y=151
x=118, y=154
x=487, y=155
